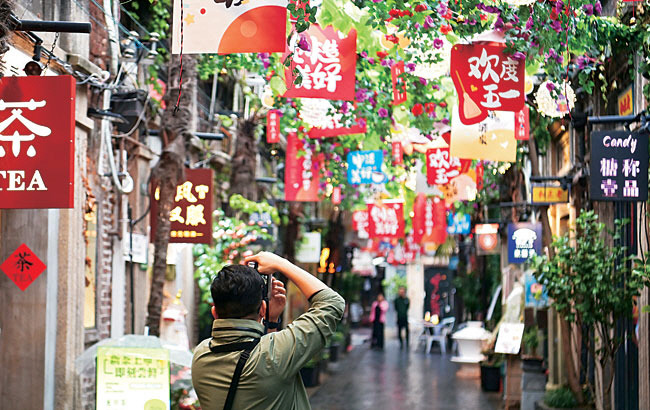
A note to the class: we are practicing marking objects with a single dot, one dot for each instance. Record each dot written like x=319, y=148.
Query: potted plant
x=310, y=372
x=491, y=372
x=555, y=399
x=531, y=360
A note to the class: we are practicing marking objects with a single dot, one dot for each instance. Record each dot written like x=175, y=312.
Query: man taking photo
x=242, y=368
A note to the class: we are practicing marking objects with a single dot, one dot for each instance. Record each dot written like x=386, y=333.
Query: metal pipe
x=53, y=26
x=613, y=119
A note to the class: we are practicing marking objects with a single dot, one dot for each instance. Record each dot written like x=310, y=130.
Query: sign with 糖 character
x=327, y=64
x=364, y=167
x=229, y=26
x=301, y=172
x=132, y=378
x=37, y=123
x=191, y=214
x=273, y=126
x=493, y=139
x=486, y=79
x=386, y=220
x=619, y=166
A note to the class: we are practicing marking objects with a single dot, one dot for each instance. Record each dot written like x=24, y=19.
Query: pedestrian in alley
x=402, y=308
x=240, y=367
x=378, y=319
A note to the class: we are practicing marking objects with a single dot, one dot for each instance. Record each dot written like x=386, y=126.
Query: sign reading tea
x=619, y=166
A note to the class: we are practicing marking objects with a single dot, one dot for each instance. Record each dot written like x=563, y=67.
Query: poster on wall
x=37, y=133
x=327, y=66
x=486, y=79
x=191, y=214
x=132, y=378
x=524, y=241
x=619, y=166
x=493, y=139
x=301, y=174
x=244, y=26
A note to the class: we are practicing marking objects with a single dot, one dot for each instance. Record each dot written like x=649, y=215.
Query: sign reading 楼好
x=37, y=122
x=191, y=214
x=524, y=241
x=619, y=166
x=132, y=378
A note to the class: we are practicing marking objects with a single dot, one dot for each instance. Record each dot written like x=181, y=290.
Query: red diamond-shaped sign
x=23, y=267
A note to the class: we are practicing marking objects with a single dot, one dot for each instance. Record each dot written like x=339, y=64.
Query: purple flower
x=472, y=22
x=364, y=54
x=410, y=67
x=383, y=113
x=435, y=87
x=518, y=55
x=598, y=7
x=529, y=23
x=498, y=24
x=361, y=95
x=557, y=26
x=345, y=108
x=550, y=86
x=559, y=5
x=362, y=122
x=371, y=60
x=417, y=26
x=423, y=81
x=582, y=61
x=384, y=63
x=445, y=121
x=442, y=9
x=428, y=22
x=303, y=44
x=438, y=43
x=266, y=64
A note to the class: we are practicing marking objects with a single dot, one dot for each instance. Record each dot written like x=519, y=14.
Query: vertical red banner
x=522, y=124
x=479, y=176
x=419, y=208
x=386, y=220
x=399, y=86
x=398, y=153
x=300, y=173
x=360, y=223
x=273, y=127
x=336, y=195
x=439, y=217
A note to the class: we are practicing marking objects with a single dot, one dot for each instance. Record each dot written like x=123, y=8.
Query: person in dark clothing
x=378, y=319
x=402, y=308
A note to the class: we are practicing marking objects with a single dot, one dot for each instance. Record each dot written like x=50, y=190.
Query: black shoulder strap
x=247, y=347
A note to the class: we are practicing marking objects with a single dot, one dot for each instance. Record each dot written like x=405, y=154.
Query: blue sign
x=364, y=167
x=536, y=295
x=524, y=241
x=459, y=224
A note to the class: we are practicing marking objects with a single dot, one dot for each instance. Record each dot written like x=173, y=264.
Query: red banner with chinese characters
x=191, y=214
x=399, y=86
x=336, y=129
x=336, y=195
x=37, y=124
x=522, y=124
x=486, y=79
x=411, y=248
x=441, y=167
x=300, y=173
x=435, y=221
x=386, y=220
x=419, y=209
x=273, y=126
x=398, y=153
x=327, y=66
x=360, y=223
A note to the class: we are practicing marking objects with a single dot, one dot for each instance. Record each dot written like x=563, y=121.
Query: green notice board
x=132, y=378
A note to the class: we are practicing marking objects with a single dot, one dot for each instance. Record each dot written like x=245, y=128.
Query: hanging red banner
x=37, y=133
x=486, y=79
x=411, y=248
x=301, y=172
x=336, y=195
x=360, y=223
x=398, y=153
x=243, y=26
x=419, y=209
x=273, y=126
x=399, y=86
x=435, y=225
x=522, y=124
x=327, y=64
x=191, y=214
x=441, y=167
x=479, y=176
x=386, y=220
x=337, y=129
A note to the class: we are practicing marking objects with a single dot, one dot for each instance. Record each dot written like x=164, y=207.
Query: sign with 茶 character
x=273, y=126
x=619, y=166
x=132, y=378
x=493, y=139
x=386, y=220
x=327, y=64
x=301, y=173
x=364, y=167
x=258, y=26
x=191, y=214
x=524, y=241
x=37, y=124
x=399, y=86
x=23, y=267
x=486, y=79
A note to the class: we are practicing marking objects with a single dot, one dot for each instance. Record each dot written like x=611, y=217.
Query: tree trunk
x=176, y=131
x=242, y=176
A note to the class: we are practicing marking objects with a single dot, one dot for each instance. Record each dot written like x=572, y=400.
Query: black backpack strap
x=247, y=347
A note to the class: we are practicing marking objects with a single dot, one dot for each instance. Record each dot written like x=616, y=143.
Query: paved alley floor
x=395, y=379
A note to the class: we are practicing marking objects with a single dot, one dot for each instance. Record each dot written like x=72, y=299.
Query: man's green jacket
x=271, y=378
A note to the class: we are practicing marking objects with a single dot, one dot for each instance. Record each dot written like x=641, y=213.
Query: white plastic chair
x=440, y=335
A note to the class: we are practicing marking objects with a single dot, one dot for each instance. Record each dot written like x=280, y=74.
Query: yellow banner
x=626, y=102
x=549, y=194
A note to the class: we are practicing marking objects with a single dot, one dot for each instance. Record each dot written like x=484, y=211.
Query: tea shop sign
x=191, y=214
x=619, y=166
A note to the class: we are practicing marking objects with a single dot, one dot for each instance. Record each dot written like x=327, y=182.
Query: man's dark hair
x=237, y=291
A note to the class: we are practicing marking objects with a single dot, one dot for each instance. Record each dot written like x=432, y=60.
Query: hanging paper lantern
x=555, y=100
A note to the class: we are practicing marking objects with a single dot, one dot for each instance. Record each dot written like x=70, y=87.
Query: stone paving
x=395, y=379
